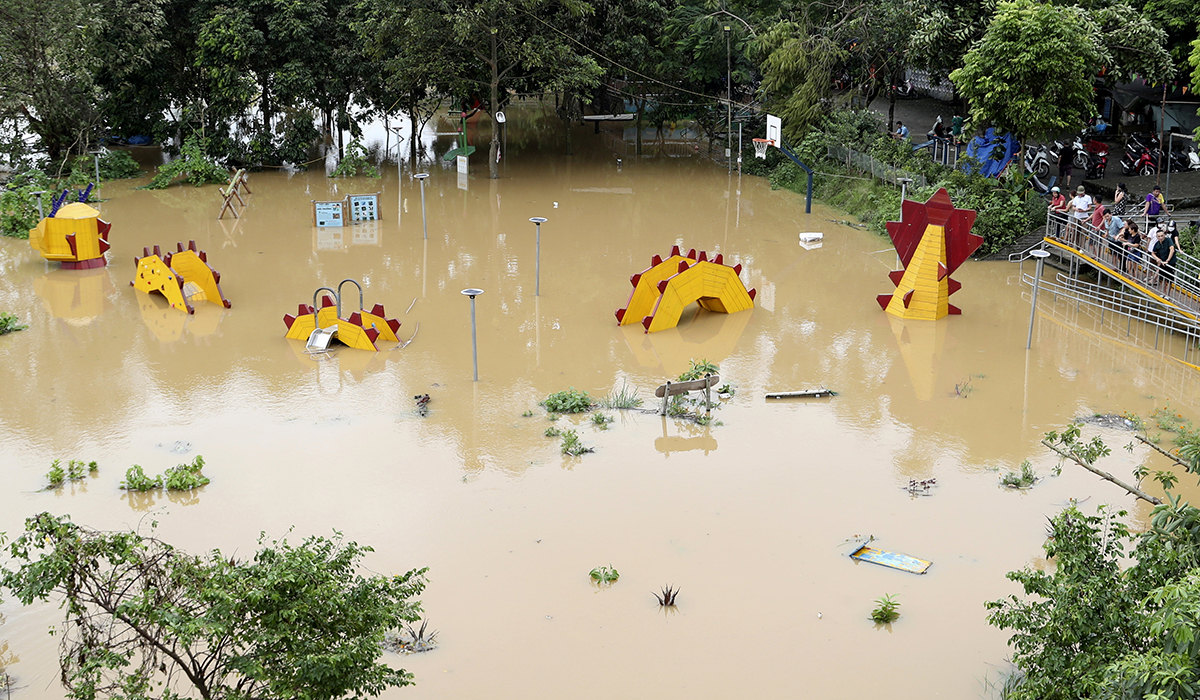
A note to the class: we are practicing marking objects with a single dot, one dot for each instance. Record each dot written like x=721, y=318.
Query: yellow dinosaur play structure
x=360, y=330
x=933, y=240
x=182, y=277
x=662, y=291
x=73, y=235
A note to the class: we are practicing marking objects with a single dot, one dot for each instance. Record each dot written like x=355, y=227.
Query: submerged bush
x=194, y=164
x=182, y=477
x=569, y=401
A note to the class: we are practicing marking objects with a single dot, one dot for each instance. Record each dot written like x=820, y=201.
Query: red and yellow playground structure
x=932, y=239
x=662, y=291
x=359, y=330
x=182, y=277
x=73, y=235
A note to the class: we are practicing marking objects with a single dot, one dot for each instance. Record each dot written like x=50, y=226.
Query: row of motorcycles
x=1141, y=156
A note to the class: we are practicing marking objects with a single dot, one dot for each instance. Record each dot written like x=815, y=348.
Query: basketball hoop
x=761, y=146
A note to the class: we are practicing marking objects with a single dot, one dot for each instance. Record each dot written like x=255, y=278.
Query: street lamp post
x=537, y=260
x=1041, y=256
x=421, y=177
x=474, y=348
x=728, y=102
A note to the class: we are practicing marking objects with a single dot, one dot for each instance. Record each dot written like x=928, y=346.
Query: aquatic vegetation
x=885, y=611
x=667, y=598
x=1022, y=479
x=74, y=471
x=9, y=323
x=552, y=432
x=963, y=388
x=726, y=390
x=182, y=477
x=698, y=369
x=527, y=414
x=601, y=420
x=408, y=640
x=623, y=399
x=572, y=445
x=604, y=574
x=569, y=401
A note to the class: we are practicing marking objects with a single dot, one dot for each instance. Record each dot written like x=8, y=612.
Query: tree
x=1031, y=74
x=145, y=620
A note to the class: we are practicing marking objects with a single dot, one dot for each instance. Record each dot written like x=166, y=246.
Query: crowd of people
x=1111, y=232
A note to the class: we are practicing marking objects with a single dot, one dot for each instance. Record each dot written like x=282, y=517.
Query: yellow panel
x=645, y=294
x=693, y=285
x=303, y=326
x=930, y=296
x=187, y=264
x=153, y=275
x=381, y=325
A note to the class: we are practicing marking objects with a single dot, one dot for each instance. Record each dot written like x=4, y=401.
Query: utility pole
x=728, y=102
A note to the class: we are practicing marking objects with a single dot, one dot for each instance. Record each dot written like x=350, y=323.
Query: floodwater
x=749, y=518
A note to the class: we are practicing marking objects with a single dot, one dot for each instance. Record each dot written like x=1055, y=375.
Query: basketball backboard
x=775, y=129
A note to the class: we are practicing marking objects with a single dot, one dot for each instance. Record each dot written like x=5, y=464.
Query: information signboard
x=329, y=213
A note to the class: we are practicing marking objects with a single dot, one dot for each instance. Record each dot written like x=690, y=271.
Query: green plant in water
x=623, y=399
x=963, y=389
x=726, y=390
x=569, y=401
x=19, y=204
x=9, y=323
x=527, y=414
x=354, y=161
x=192, y=162
x=601, y=420
x=885, y=611
x=552, y=432
x=698, y=369
x=572, y=445
x=1022, y=479
x=185, y=477
x=604, y=574
x=74, y=471
x=136, y=480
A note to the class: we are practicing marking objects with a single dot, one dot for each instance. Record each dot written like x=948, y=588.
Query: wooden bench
x=228, y=192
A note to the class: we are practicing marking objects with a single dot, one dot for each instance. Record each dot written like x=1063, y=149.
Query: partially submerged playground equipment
x=183, y=277
x=73, y=235
x=662, y=291
x=932, y=240
x=320, y=326
x=775, y=138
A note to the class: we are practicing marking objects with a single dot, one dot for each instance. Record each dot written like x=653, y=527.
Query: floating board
x=810, y=236
x=891, y=560
x=803, y=393
x=609, y=117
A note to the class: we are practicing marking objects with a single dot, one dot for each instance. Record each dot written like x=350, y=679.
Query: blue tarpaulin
x=993, y=152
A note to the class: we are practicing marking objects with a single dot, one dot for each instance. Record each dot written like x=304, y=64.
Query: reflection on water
x=475, y=490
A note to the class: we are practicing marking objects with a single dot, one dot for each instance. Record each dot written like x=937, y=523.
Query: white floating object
x=810, y=236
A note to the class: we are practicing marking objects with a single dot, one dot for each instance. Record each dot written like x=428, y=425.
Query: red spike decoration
x=933, y=240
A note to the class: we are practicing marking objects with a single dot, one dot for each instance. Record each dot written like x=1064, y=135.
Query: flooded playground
x=751, y=517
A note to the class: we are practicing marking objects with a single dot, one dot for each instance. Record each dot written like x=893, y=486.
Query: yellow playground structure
x=74, y=235
x=662, y=291
x=321, y=326
x=182, y=277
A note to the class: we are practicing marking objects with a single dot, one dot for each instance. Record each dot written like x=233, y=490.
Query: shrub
x=74, y=471
x=185, y=477
x=18, y=204
x=136, y=480
x=354, y=161
x=885, y=612
x=569, y=401
x=194, y=163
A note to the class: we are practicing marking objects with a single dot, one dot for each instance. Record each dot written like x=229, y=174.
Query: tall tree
x=145, y=620
x=1031, y=74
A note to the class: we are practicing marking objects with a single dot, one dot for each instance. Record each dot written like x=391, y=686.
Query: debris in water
x=801, y=394
x=422, y=404
x=409, y=640
x=1108, y=420
x=921, y=487
x=667, y=598
x=892, y=560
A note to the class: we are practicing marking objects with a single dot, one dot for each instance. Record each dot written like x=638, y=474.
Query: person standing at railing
x=1111, y=227
x=1120, y=199
x=1164, y=256
x=1131, y=244
x=1081, y=210
x=1058, y=211
x=1154, y=204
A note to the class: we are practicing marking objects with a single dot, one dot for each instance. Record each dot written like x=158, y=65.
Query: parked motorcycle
x=1087, y=150
x=1140, y=157
x=1193, y=158
x=1038, y=160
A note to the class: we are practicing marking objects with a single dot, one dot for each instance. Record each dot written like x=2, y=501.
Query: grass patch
x=624, y=399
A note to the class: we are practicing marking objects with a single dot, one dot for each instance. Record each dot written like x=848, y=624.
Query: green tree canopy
x=1031, y=74
x=145, y=620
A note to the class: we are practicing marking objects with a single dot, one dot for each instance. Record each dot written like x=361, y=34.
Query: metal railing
x=878, y=169
x=1137, y=267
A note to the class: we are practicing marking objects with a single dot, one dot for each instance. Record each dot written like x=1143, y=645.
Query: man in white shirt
x=1081, y=212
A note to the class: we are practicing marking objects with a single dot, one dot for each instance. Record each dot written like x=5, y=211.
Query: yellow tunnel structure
x=74, y=236
x=662, y=291
x=359, y=330
x=182, y=277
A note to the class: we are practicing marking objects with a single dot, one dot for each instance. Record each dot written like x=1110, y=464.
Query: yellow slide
x=182, y=277
x=662, y=291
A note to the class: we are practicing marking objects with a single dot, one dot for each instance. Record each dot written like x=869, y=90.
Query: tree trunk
x=494, y=148
x=412, y=119
x=638, y=149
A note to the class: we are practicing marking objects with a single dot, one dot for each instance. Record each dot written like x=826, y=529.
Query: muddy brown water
x=749, y=518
